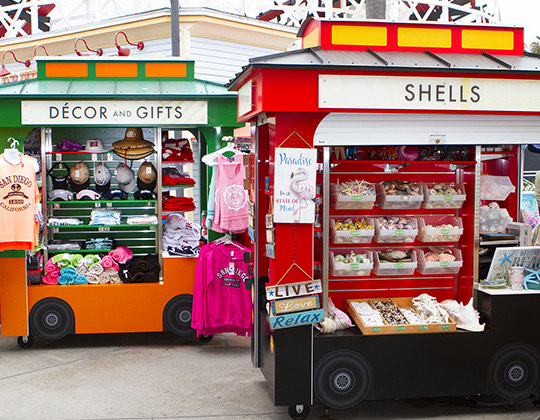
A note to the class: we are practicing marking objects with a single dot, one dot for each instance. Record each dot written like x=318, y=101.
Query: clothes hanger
x=13, y=156
x=210, y=159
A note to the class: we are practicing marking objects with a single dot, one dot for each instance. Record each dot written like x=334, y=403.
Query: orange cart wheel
x=177, y=315
x=52, y=319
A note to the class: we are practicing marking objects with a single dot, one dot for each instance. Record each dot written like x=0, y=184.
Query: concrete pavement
x=160, y=376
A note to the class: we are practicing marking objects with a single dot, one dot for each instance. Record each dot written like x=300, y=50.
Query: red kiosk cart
x=355, y=92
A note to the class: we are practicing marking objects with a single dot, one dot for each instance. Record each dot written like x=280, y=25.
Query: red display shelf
x=411, y=162
x=178, y=161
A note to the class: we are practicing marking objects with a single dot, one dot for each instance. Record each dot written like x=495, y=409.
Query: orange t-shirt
x=18, y=197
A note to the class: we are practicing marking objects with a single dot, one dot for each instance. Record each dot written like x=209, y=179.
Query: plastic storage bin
x=355, y=201
x=340, y=269
x=433, y=234
x=443, y=201
x=394, y=269
x=495, y=188
x=395, y=235
x=385, y=201
x=493, y=220
x=361, y=236
x=439, y=267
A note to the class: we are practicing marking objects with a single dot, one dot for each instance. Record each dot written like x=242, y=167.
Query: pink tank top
x=231, y=209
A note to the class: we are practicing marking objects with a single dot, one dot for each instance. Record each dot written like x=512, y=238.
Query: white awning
x=344, y=129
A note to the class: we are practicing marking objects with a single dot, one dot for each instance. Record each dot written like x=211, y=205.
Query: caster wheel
x=205, y=338
x=52, y=319
x=343, y=378
x=26, y=341
x=299, y=412
x=177, y=315
x=514, y=372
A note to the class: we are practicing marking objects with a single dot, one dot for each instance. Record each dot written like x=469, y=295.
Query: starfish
x=506, y=258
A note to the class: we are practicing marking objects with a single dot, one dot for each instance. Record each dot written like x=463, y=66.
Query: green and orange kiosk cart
x=81, y=99
x=356, y=92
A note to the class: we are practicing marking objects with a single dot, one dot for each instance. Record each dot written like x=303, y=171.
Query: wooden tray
x=397, y=329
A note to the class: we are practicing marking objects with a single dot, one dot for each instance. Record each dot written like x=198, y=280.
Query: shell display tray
x=362, y=236
x=438, y=267
x=351, y=270
x=395, y=235
x=385, y=201
x=443, y=201
x=437, y=234
x=396, y=329
x=382, y=268
x=355, y=201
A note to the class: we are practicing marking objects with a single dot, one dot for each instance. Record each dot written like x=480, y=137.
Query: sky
x=524, y=13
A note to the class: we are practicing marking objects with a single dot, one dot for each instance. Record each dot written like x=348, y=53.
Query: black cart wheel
x=26, y=341
x=177, y=315
x=52, y=319
x=342, y=379
x=299, y=412
x=205, y=338
x=514, y=372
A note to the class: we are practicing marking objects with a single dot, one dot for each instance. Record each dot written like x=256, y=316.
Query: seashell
x=431, y=257
x=447, y=257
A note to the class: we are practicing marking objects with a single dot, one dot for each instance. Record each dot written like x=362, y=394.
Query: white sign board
x=122, y=113
x=294, y=185
x=291, y=290
x=428, y=93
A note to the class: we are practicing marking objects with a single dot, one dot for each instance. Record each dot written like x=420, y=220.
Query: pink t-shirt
x=231, y=209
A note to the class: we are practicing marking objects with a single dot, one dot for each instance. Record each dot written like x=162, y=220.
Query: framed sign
x=527, y=257
x=291, y=290
x=294, y=185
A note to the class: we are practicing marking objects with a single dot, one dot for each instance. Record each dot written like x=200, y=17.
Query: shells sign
x=294, y=188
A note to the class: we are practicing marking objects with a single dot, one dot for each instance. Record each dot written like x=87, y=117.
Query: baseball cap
x=102, y=177
x=94, y=146
x=145, y=195
x=125, y=178
x=59, y=174
x=115, y=194
x=88, y=195
x=146, y=176
x=79, y=177
x=61, y=195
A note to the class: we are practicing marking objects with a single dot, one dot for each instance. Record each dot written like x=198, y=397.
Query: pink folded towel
x=51, y=278
x=108, y=262
x=51, y=267
x=122, y=254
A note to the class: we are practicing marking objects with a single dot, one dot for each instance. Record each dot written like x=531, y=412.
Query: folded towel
x=79, y=279
x=67, y=275
x=95, y=269
x=62, y=260
x=51, y=267
x=92, y=279
x=122, y=254
x=76, y=260
x=82, y=270
x=91, y=259
x=141, y=266
x=113, y=275
x=108, y=262
x=51, y=278
x=104, y=278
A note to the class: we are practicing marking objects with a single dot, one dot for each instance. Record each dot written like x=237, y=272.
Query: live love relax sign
x=114, y=112
x=438, y=93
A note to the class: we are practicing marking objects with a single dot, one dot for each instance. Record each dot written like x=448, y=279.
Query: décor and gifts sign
x=294, y=185
x=114, y=112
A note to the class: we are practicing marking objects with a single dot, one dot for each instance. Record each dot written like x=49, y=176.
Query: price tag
x=357, y=198
x=400, y=232
x=376, y=329
x=400, y=328
x=355, y=233
x=444, y=264
x=355, y=266
x=445, y=231
x=445, y=327
x=448, y=197
x=398, y=265
x=422, y=328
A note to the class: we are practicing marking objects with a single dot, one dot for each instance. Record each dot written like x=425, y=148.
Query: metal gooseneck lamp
x=3, y=70
x=98, y=52
x=123, y=52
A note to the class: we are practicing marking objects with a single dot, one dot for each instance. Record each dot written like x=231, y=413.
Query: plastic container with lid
x=435, y=198
x=429, y=232
x=383, y=268
x=389, y=201
x=351, y=236
x=495, y=188
x=396, y=235
x=439, y=267
x=341, y=269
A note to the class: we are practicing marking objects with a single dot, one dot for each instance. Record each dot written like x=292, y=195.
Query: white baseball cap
x=102, y=177
x=94, y=146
